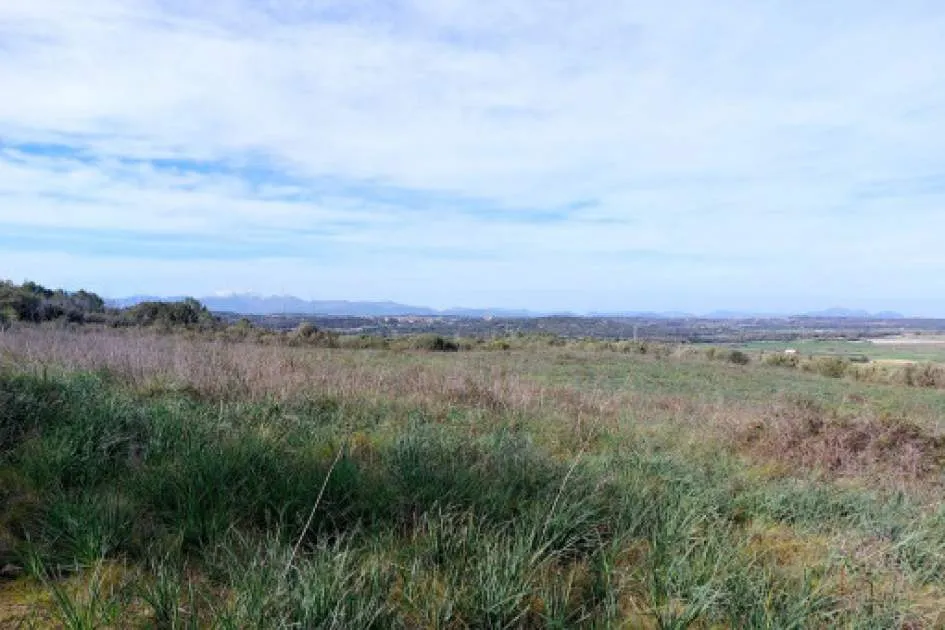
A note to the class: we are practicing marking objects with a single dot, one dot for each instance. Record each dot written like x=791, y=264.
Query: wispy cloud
x=686, y=154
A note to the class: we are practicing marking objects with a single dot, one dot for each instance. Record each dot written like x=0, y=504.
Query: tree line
x=35, y=304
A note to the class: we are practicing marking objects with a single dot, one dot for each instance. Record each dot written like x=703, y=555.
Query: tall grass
x=411, y=491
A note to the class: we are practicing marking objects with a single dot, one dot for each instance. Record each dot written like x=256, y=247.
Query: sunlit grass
x=553, y=488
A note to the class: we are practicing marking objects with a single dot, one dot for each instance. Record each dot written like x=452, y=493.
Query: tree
x=189, y=312
x=32, y=302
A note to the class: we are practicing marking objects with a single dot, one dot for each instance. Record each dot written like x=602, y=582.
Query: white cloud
x=736, y=137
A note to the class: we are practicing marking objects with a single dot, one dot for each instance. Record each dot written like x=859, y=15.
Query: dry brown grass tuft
x=901, y=372
x=799, y=432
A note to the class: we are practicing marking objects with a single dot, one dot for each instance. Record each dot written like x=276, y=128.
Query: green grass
x=934, y=352
x=172, y=509
x=701, y=381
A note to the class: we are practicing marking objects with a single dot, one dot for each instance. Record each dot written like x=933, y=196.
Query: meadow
x=162, y=481
x=904, y=348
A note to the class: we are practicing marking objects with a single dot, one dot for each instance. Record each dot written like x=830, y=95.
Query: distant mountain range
x=253, y=304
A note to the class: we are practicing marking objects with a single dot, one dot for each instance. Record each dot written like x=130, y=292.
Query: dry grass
x=793, y=433
x=251, y=372
x=576, y=408
x=799, y=432
x=910, y=373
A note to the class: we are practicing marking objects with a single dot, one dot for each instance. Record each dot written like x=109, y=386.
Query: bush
x=187, y=313
x=362, y=342
x=498, y=344
x=738, y=358
x=925, y=375
x=634, y=347
x=831, y=367
x=32, y=302
x=781, y=359
x=718, y=354
x=430, y=343
x=306, y=330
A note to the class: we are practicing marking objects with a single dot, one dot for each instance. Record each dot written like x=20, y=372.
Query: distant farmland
x=901, y=348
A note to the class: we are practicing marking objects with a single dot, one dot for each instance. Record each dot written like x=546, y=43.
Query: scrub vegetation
x=196, y=479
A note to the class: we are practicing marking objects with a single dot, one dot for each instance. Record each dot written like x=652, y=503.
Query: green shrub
x=781, y=359
x=738, y=357
x=187, y=313
x=632, y=347
x=721, y=354
x=31, y=302
x=429, y=342
x=831, y=367
x=498, y=344
x=362, y=342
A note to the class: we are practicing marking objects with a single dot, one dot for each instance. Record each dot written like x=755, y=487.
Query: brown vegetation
x=799, y=432
x=796, y=433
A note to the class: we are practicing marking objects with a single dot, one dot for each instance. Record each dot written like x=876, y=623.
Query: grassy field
x=159, y=482
x=890, y=349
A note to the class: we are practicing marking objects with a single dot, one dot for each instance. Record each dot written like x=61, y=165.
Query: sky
x=691, y=155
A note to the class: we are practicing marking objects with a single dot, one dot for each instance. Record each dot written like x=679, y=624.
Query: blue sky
x=615, y=155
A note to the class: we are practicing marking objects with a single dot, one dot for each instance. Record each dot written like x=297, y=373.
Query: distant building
x=791, y=351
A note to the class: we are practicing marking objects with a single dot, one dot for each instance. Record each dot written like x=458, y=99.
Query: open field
x=671, y=329
x=900, y=348
x=157, y=481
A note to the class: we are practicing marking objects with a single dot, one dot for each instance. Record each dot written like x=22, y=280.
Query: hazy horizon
x=686, y=156
x=250, y=295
